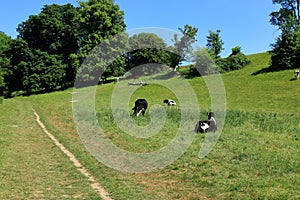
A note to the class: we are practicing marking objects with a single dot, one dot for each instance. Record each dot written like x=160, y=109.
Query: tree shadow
x=272, y=69
x=167, y=75
x=267, y=70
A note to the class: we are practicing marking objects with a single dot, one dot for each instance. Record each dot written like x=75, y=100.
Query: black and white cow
x=140, y=106
x=296, y=74
x=209, y=125
x=169, y=102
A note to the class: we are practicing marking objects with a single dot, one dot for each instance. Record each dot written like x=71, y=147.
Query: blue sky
x=242, y=23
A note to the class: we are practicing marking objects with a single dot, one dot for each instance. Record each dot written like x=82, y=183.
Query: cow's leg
x=139, y=113
x=143, y=112
x=197, y=127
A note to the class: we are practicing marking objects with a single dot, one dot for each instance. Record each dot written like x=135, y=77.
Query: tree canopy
x=287, y=18
x=286, y=49
x=183, y=47
x=4, y=46
x=54, y=30
x=214, y=44
x=99, y=19
x=51, y=45
x=147, y=48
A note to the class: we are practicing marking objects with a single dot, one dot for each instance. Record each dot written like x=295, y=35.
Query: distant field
x=256, y=156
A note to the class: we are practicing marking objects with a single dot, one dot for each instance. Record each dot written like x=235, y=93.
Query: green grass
x=256, y=156
x=31, y=167
x=268, y=92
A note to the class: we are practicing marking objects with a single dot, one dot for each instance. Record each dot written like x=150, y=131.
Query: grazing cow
x=209, y=125
x=296, y=74
x=169, y=102
x=140, y=106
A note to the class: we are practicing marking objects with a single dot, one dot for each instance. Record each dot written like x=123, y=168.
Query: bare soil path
x=94, y=184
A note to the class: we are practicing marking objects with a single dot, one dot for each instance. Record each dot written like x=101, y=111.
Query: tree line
x=51, y=46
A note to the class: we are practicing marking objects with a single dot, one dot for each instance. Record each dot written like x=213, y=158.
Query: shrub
x=235, y=61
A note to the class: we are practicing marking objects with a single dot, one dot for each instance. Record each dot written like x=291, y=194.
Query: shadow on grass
x=272, y=69
x=166, y=76
x=267, y=70
x=293, y=79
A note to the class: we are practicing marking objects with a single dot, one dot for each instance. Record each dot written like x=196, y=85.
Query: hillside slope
x=256, y=156
x=266, y=92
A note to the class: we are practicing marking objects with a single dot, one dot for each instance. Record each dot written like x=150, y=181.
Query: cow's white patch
x=169, y=102
x=204, y=126
x=172, y=103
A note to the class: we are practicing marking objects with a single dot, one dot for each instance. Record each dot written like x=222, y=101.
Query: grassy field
x=256, y=156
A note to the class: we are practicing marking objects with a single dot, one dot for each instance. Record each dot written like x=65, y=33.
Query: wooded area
x=51, y=47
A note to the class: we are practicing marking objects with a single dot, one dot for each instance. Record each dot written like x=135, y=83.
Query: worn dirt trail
x=93, y=182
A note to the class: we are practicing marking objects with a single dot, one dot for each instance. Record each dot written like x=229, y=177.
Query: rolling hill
x=255, y=157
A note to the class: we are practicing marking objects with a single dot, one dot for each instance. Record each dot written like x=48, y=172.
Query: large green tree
x=55, y=31
x=19, y=54
x=147, y=48
x=214, y=44
x=286, y=49
x=105, y=60
x=32, y=71
x=287, y=18
x=183, y=46
x=99, y=22
x=5, y=41
x=52, y=45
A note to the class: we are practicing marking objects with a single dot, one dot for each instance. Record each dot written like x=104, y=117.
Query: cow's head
x=210, y=115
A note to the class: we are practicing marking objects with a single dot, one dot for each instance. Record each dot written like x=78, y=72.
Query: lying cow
x=169, y=102
x=140, y=106
x=209, y=125
x=296, y=74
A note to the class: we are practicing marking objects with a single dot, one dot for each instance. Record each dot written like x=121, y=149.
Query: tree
x=55, y=31
x=52, y=45
x=4, y=46
x=183, y=47
x=288, y=17
x=105, y=60
x=99, y=22
x=99, y=19
x=236, y=60
x=286, y=50
x=214, y=44
x=4, y=43
x=147, y=48
x=20, y=56
x=115, y=55
x=47, y=73
x=32, y=71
